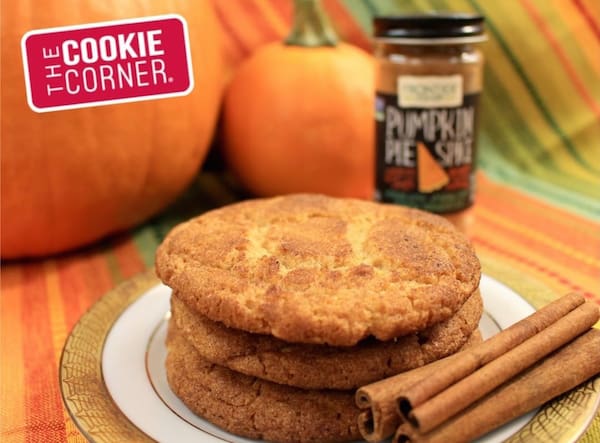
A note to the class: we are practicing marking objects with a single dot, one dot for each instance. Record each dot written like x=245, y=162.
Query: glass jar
x=428, y=82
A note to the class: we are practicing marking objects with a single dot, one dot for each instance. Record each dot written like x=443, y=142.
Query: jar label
x=430, y=91
x=426, y=156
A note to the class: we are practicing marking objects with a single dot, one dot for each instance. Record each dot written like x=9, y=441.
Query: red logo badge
x=108, y=62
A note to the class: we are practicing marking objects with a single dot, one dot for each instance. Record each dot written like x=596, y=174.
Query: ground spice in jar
x=429, y=79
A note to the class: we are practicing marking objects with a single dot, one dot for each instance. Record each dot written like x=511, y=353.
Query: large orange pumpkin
x=298, y=116
x=72, y=177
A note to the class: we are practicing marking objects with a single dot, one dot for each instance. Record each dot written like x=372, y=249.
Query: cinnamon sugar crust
x=315, y=269
x=321, y=366
x=260, y=409
x=256, y=408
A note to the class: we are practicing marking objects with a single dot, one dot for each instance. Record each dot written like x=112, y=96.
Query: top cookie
x=315, y=269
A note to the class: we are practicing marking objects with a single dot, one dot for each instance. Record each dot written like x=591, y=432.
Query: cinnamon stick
x=558, y=373
x=489, y=350
x=379, y=419
x=378, y=399
x=457, y=397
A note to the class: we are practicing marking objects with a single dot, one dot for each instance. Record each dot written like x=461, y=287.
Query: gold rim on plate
x=82, y=386
x=99, y=419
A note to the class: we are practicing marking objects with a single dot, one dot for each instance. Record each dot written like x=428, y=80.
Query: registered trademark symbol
x=170, y=79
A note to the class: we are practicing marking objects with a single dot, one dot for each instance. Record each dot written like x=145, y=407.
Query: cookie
x=321, y=366
x=260, y=409
x=314, y=269
x=255, y=408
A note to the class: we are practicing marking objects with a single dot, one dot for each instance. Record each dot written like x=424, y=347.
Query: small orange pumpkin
x=72, y=177
x=298, y=115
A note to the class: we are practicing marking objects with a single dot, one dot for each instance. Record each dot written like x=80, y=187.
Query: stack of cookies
x=282, y=307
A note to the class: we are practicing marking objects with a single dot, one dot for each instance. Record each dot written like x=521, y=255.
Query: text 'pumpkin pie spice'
x=428, y=80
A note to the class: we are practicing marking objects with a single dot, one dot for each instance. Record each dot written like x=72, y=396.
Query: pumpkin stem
x=311, y=26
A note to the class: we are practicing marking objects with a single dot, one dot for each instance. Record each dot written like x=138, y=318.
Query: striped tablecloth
x=535, y=224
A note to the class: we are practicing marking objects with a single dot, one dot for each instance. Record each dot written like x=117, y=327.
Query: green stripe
x=504, y=141
x=534, y=94
x=113, y=265
x=146, y=242
x=498, y=100
x=371, y=8
x=361, y=13
x=518, y=145
x=494, y=161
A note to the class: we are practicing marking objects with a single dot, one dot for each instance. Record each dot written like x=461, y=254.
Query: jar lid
x=433, y=28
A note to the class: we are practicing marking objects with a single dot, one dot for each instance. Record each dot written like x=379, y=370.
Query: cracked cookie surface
x=321, y=366
x=315, y=269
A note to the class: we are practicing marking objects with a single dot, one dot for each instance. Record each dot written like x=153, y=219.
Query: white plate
x=132, y=371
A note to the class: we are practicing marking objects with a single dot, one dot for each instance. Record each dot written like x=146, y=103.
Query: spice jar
x=428, y=82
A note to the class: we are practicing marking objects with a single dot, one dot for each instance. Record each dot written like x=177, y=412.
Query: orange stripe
x=570, y=235
x=528, y=209
x=278, y=26
x=527, y=212
x=12, y=378
x=591, y=13
x=239, y=26
x=236, y=47
x=586, y=41
x=284, y=10
x=83, y=280
x=564, y=278
x=261, y=22
x=232, y=54
x=59, y=332
x=533, y=266
x=529, y=274
x=578, y=240
x=42, y=395
x=55, y=308
x=128, y=257
x=564, y=58
x=563, y=255
x=533, y=234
